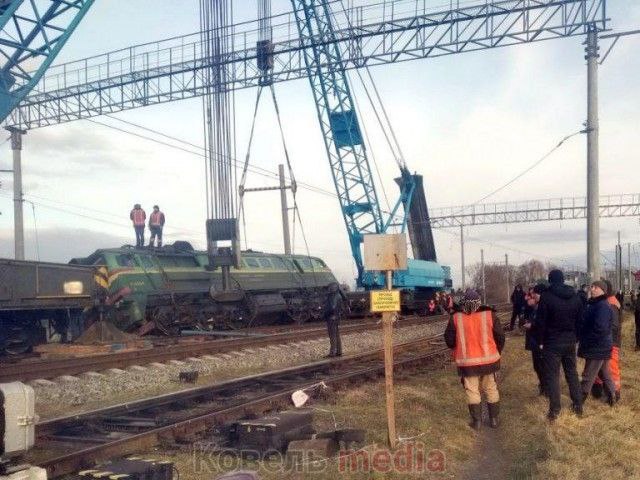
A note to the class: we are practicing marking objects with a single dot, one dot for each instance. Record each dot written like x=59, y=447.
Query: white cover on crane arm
x=18, y=410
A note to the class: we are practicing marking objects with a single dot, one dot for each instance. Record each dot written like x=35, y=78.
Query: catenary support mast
x=593, y=129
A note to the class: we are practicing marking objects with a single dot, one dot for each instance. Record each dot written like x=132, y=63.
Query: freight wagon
x=42, y=301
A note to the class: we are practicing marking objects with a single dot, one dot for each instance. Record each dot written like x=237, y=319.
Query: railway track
x=68, y=444
x=32, y=368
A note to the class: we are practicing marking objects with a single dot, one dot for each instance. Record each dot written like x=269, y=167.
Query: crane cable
x=245, y=168
x=296, y=210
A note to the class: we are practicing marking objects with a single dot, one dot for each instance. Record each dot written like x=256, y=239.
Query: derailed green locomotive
x=169, y=289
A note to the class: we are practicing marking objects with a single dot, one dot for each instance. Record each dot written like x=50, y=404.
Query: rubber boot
x=476, y=414
x=494, y=412
x=597, y=390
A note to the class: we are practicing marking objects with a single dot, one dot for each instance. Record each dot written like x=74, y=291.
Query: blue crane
x=32, y=33
x=347, y=151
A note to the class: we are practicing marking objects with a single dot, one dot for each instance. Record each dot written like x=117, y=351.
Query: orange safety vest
x=155, y=219
x=475, y=345
x=138, y=216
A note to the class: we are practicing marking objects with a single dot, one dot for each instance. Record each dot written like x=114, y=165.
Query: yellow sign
x=385, y=301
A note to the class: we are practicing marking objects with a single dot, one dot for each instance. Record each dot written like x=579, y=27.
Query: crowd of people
x=441, y=303
x=560, y=325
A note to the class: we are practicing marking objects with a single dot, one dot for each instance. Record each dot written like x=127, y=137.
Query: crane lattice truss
x=377, y=33
x=32, y=33
x=626, y=205
x=339, y=124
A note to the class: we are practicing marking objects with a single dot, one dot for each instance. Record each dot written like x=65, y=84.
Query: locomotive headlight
x=73, y=288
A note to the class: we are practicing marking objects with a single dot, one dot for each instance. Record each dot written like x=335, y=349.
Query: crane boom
x=32, y=33
x=348, y=153
x=339, y=124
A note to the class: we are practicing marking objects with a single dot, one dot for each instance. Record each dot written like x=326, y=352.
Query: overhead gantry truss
x=385, y=32
x=527, y=211
x=32, y=33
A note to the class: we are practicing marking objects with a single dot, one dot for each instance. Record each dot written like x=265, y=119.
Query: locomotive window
x=252, y=263
x=265, y=263
x=125, y=261
x=318, y=264
x=99, y=261
x=278, y=264
x=304, y=263
x=290, y=265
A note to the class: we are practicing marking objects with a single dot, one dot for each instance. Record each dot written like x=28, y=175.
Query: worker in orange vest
x=477, y=339
x=156, y=224
x=138, y=217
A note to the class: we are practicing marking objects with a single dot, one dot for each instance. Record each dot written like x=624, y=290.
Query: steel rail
x=333, y=372
x=51, y=368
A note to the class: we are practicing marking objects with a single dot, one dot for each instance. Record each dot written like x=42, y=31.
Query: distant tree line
x=526, y=274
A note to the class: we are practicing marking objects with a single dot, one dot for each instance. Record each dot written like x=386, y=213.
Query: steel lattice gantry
x=625, y=205
x=377, y=33
x=32, y=33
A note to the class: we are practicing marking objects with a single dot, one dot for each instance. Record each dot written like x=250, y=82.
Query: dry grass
x=604, y=444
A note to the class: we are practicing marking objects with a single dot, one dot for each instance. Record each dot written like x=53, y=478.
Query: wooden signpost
x=387, y=253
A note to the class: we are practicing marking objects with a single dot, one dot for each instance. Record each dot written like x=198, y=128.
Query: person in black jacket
x=583, y=293
x=518, y=302
x=596, y=341
x=333, y=311
x=530, y=342
x=558, y=322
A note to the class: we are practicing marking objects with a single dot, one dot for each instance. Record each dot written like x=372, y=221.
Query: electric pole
x=484, y=295
x=462, y=267
x=592, y=129
x=508, y=274
x=18, y=197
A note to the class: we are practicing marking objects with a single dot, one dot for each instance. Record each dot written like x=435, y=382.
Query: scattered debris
x=188, y=376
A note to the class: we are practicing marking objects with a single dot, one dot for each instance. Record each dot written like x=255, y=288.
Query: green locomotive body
x=170, y=289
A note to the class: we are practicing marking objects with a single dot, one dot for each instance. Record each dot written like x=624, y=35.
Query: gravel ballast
x=70, y=395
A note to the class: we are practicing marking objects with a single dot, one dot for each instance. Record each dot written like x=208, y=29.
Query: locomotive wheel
x=18, y=342
x=301, y=317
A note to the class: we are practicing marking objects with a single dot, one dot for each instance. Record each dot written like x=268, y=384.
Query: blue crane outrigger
x=349, y=163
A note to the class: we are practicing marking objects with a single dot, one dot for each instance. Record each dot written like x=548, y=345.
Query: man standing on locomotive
x=334, y=309
x=156, y=224
x=138, y=217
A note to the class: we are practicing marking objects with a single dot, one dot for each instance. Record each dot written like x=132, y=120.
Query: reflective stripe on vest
x=138, y=216
x=475, y=345
x=155, y=219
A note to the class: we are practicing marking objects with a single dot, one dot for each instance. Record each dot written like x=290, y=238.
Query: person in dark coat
x=558, y=322
x=616, y=336
x=518, y=302
x=530, y=342
x=334, y=309
x=596, y=341
x=583, y=293
x=477, y=354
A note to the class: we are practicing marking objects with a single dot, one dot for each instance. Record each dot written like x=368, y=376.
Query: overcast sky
x=468, y=123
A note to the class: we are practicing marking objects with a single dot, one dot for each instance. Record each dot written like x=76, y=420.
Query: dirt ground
x=437, y=443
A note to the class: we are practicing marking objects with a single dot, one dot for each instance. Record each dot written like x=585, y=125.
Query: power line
x=254, y=169
x=527, y=170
